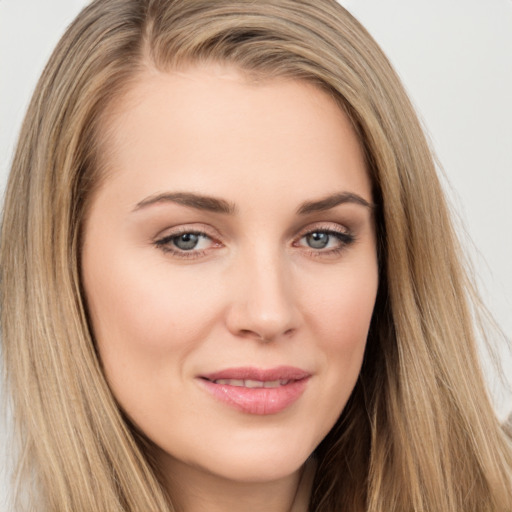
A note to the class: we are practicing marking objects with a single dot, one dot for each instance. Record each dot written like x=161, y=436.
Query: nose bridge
x=263, y=307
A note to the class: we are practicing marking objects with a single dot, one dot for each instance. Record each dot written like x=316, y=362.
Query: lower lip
x=260, y=401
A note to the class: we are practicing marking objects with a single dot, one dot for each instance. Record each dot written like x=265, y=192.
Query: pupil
x=187, y=241
x=318, y=240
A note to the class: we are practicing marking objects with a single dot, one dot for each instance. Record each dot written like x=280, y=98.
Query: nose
x=262, y=303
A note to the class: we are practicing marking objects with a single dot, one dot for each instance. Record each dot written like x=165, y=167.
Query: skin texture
x=252, y=292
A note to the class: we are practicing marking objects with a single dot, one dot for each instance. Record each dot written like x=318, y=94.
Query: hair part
x=418, y=433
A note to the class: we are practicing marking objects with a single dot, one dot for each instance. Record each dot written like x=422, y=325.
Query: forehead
x=203, y=127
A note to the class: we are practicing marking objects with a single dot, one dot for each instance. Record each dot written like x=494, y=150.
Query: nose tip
x=263, y=306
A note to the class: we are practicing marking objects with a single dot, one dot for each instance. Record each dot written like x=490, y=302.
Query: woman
x=224, y=283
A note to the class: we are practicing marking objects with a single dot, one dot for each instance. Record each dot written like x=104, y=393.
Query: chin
x=243, y=458
x=262, y=467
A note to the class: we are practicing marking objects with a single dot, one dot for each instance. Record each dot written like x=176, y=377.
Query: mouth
x=254, y=384
x=257, y=391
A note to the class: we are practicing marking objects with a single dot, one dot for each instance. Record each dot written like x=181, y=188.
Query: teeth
x=253, y=383
x=230, y=382
x=248, y=383
x=275, y=383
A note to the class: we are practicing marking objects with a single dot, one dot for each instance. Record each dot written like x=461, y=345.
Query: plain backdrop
x=455, y=58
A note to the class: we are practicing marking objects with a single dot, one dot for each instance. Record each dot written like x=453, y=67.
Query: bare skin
x=234, y=233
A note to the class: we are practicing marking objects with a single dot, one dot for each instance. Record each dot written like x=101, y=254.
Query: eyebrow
x=197, y=201
x=331, y=201
x=216, y=205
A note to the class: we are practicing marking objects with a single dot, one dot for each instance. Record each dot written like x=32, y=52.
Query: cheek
x=143, y=314
x=339, y=315
x=339, y=304
x=147, y=322
x=344, y=318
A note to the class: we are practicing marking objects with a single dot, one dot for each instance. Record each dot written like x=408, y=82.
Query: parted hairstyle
x=418, y=433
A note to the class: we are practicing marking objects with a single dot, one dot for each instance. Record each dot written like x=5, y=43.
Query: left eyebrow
x=326, y=203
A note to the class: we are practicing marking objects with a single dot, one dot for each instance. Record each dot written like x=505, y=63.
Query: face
x=230, y=269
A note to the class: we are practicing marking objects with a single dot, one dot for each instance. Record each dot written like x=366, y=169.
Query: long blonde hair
x=418, y=433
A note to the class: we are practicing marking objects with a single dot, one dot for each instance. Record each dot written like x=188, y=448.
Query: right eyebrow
x=197, y=201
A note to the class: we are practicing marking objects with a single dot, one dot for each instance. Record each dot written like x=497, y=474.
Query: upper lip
x=259, y=374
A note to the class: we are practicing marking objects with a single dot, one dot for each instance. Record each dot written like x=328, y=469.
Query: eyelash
x=164, y=244
x=345, y=238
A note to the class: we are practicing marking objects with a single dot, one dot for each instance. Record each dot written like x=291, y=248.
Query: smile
x=253, y=383
x=257, y=391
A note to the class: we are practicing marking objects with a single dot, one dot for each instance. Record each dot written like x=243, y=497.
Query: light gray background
x=455, y=58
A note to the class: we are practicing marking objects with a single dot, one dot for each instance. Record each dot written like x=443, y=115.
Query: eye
x=318, y=239
x=186, y=244
x=189, y=241
x=325, y=241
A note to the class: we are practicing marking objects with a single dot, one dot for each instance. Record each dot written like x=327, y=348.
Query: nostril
x=247, y=333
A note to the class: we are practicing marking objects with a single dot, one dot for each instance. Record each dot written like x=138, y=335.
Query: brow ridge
x=217, y=205
x=190, y=199
x=331, y=201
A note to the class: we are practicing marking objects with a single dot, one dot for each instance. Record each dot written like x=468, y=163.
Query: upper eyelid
x=202, y=229
x=214, y=234
x=341, y=234
x=335, y=227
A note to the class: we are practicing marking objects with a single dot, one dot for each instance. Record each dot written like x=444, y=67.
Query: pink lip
x=260, y=401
